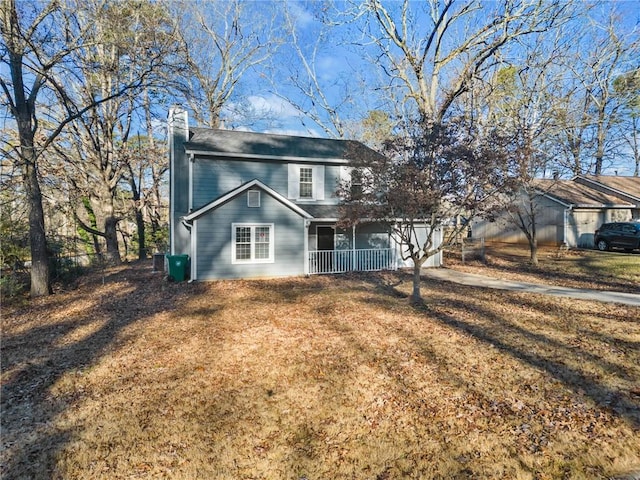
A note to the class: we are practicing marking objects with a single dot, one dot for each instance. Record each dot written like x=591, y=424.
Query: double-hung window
x=252, y=243
x=306, y=182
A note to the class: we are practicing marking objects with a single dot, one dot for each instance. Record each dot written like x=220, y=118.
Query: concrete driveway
x=448, y=275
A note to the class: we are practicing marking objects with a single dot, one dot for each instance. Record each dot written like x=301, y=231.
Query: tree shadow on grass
x=35, y=359
x=554, y=271
x=535, y=348
x=537, y=351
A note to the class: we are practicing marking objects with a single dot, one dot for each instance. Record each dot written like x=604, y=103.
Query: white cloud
x=301, y=15
x=269, y=105
x=298, y=132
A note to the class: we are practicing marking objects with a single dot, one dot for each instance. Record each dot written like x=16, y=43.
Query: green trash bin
x=177, y=267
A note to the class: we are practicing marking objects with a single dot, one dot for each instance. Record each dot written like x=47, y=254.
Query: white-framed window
x=252, y=243
x=306, y=182
x=253, y=198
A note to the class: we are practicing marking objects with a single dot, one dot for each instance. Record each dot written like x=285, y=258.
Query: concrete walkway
x=488, y=282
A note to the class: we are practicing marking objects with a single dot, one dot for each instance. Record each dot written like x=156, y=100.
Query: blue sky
x=339, y=67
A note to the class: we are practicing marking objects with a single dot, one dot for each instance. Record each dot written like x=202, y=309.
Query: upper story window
x=306, y=182
x=356, y=184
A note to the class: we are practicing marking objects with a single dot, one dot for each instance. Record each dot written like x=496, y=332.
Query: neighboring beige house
x=569, y=211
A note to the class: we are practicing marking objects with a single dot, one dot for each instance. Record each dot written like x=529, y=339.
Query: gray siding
x=581, y=227
x=332, y=178
x=421, y=234
x=549, y=222
x=577, y=229
x=214, y=237
x=214, y=178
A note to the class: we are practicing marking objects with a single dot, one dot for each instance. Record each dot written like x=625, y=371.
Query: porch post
x=353, y=248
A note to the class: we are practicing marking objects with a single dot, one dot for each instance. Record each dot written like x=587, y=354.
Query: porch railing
x=340, y=261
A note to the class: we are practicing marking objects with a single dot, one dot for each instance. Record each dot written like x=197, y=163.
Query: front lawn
x=316, y=378
x=583, y=268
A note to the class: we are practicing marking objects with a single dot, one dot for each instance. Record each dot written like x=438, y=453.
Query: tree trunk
x=40, y=285
x=600, y=140
x=112, y=255
x=416, y=296
x=142, y=247
x=533, y=251
x=23, y=109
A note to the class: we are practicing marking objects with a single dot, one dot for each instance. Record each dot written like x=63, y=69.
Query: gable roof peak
x=255, y=183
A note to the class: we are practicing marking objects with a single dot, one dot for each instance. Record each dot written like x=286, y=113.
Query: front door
x=326, y=245
x=326, y=238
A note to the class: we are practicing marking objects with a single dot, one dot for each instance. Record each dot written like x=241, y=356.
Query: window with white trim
x=252, y=243
x=306, y=182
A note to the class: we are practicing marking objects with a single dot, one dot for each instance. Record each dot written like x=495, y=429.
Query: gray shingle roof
x=629, y=186
x=322, y=211
x=573, y=193
x=262, y=144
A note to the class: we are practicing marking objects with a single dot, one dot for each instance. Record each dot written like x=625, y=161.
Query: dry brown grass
x=325, y=377
x=613, y=271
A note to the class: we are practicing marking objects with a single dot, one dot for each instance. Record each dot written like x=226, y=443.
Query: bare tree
x=146, y=166
x=39, y=40
x=627, y=89
x=421, y=183
x=435, y=55
x=322, y=95
x=21, y=99
x=608, y=56
x=132, y=41
x=592, y=111
x=435, y=58
x=521, y=104
x=32, y=51
x=221, y=41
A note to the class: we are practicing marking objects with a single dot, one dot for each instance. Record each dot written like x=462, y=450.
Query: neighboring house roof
x=237, y=191
x=262, y=146
x=628, y=187
x=574, y=194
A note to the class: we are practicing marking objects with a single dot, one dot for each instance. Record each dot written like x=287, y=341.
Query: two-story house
x=251, y=205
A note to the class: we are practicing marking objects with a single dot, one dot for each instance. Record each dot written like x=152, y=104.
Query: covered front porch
x=365, y=248
x=355, y=260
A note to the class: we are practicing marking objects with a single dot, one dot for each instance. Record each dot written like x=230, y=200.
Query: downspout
x=194, y=252
x=566, y=225
x=191, y=162
x=305, y=227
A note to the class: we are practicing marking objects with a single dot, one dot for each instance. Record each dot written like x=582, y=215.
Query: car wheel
x=602, y=245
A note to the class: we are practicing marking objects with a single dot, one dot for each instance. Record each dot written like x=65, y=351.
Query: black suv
x=619, y=235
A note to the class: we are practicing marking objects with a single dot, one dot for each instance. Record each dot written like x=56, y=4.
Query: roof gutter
x=259, y=157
